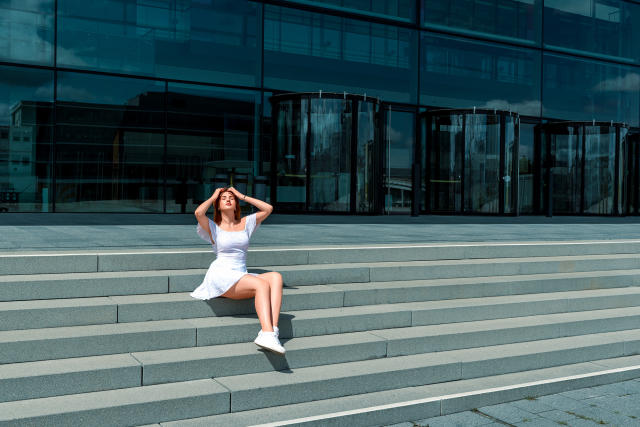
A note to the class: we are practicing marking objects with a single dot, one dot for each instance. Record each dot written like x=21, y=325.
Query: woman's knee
x=274, y=278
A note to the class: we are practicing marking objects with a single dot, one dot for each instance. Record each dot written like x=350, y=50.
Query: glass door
x=446, y=154
x=398, y=159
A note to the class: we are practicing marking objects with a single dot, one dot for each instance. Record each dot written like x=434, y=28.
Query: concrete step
x=163, y=306
x=127, y=406
x=42, y=262
x=419, y=402
x=251, y=391
x=259, y=390
x=77, y=341
x=28, y=380
x=81, y=285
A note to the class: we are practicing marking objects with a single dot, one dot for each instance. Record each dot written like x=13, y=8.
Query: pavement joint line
x=446, y=397
x=434, y=245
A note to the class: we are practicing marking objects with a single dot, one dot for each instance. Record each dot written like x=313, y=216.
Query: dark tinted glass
x=526, y=166
x=110, y=143
x=403, y=10
x=213, y=41
x=460, y=73
x=26, y=31
x=400, y=139
x=26, y=99
x=608, y=28
x=512, y=20
x=580, y=89
x=212, y=142
x=309, y=52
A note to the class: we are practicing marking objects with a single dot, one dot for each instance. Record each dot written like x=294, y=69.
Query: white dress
x=231, y=258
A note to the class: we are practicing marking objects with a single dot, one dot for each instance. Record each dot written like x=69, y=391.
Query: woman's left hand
x=237, y=193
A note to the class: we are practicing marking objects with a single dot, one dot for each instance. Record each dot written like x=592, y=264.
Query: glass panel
x=307, y=51
x=212, y=133
x=578, y=89
x=566, y=154
x=27, y=31
x=291, y=133
x=482, y=163
x=608, y=28
x=633, y=173
x=599, y=173
x=330, y=157
x=510, y=20
x=213, y=41
x=110, y=143
x=400, y=145
x=403, y=10
x=446, y=163
x=526, y=168
x=367, y=151
x=26, y=99
x=511, y=130
x=459, y=73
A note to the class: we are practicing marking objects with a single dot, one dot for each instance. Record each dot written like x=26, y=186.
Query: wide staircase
x=375, y=335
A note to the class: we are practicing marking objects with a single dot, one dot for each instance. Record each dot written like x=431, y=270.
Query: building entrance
x=326, y=153
x=583, y=167
x=471, y=158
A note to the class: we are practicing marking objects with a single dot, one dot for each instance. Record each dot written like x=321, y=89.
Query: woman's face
x=227, y=201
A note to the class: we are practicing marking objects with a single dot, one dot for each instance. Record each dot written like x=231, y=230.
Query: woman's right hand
x=216, y=193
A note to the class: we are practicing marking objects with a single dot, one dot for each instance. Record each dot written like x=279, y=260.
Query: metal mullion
x=616, y=178
x=308, y=156
x=582, y=166
x=501, y=169
x=353, y=187
x=463, y=178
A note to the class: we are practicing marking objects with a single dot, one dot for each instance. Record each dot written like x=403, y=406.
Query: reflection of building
x=149, y=107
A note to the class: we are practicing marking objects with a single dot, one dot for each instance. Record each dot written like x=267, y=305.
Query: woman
x=227, y=276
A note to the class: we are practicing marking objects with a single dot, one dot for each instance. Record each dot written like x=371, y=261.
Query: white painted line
x=446, y=397
x=336, y=248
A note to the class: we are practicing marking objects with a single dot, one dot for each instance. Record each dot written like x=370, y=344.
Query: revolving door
x=471, y=158
x=326, y=153
x=584, y=167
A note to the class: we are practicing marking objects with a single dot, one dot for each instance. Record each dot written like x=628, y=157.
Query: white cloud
x=628, y=83
x=531, y=107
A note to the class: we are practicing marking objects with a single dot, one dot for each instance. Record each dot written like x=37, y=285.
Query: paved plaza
x=113, y=231
x=616, y=404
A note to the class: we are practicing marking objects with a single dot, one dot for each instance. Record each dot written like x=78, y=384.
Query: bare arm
x=201, y=212
x=265, y=208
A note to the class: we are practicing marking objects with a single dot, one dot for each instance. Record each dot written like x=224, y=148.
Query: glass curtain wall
x=472, y=158
x=109, y=144
x=326, y=154
x=211, y=135
x=584, y=170
x=26, y=135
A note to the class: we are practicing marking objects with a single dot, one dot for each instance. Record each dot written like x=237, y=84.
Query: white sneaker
x=275, y=329
x=269, y=341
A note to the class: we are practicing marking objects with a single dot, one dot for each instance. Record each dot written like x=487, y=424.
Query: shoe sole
x=269, y=349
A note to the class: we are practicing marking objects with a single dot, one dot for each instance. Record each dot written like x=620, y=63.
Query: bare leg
x=249, y=286
x=275, y=286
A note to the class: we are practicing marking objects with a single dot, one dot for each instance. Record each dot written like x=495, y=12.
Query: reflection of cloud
x=531, y=107
x=77, y=94
x=628, y=83
x=5, y=108
x=44, y=91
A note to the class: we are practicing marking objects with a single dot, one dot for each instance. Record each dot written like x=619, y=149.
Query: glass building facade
x=148, y=105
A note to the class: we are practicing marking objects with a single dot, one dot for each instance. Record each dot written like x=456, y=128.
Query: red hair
x=217, y=216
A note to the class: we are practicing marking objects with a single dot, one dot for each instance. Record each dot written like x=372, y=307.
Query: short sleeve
x=203, y=233
x=252, y=224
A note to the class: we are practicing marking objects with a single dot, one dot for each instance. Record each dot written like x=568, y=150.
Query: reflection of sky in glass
x=18, y=84
x=89, y=88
